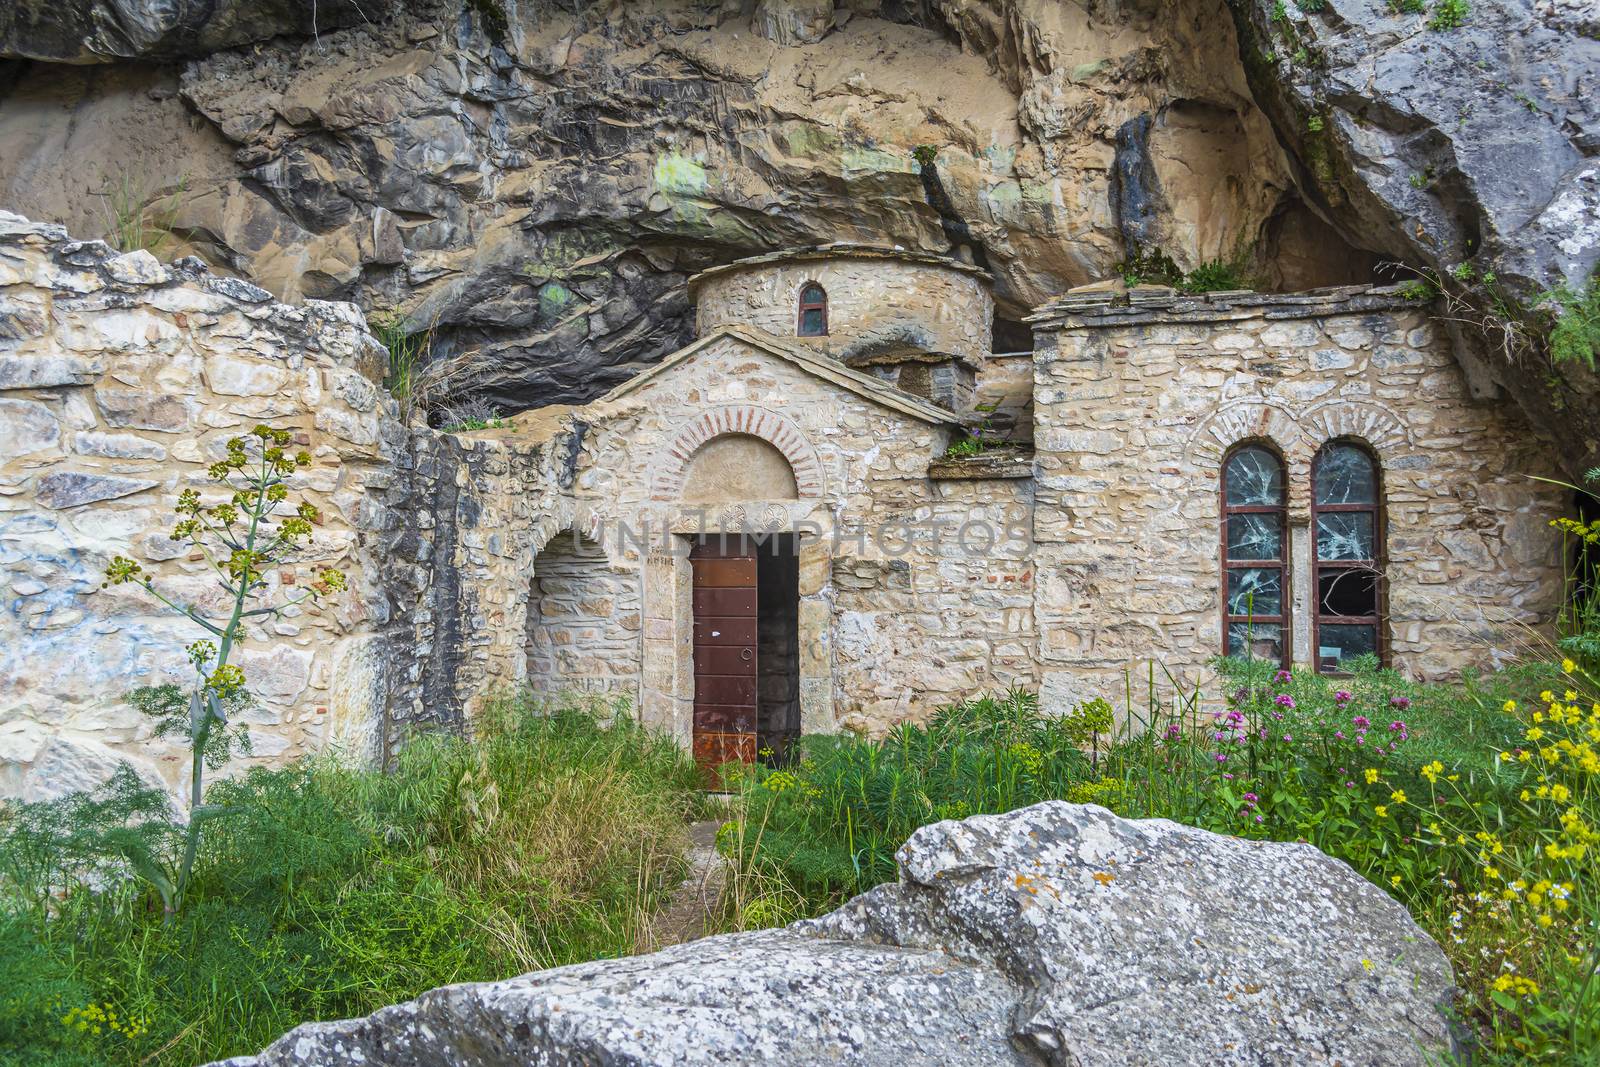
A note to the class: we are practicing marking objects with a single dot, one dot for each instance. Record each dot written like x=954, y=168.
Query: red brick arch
x=777, y=430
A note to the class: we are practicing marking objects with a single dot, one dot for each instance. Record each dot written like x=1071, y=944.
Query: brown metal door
x=724, y=652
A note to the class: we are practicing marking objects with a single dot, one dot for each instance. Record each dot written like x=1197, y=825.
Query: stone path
x=689, y=911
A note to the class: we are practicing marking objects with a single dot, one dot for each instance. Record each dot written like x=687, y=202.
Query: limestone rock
x=101, y=30
x=38, y=372
x=1054, y=934
x=66, y=764
x=71, y=489
x=27, y=427
x=140, y=410
x=116, y=445
x=1446, y=145
x=138, y=267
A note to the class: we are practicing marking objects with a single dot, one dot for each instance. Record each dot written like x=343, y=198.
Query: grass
x=328, y=891
x=1476, y=805
x=134, y=218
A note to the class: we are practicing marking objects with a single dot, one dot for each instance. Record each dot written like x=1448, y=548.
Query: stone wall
x=876, y=297
x=482, y=507
x=121, y=379
x=1134, y=409
x=583, y=622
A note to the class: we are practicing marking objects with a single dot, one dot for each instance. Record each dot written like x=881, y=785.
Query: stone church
x=770, y=533
x=838, y=508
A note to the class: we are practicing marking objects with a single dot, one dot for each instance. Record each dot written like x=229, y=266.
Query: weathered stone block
x=26, y=428
x=71, y=489
x=244, y=377
x=138, y=267
x=43, y=372
x=140, y=410
x=116, y=445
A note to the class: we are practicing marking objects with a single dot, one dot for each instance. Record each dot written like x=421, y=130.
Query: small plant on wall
x=252, y=527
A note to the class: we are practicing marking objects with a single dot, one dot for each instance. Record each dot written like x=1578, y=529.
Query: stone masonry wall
x=120, y=381
x=482, y=507
x=1134, y=409
x=583, y=622
x=872, y=299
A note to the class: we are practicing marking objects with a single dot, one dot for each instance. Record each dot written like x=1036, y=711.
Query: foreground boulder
x=1059, y=934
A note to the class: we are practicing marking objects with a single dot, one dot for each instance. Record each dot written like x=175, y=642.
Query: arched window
x=1254, y=554
x=1347, y=555
x=813, y=311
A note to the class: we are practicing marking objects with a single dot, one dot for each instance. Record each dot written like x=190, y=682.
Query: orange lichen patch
x=1103, y=878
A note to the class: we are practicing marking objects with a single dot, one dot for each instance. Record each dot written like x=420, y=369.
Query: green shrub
x=326, y=891
x=1575, y=334
x=1217, y=275
x=133, y=215
x=1449, y=15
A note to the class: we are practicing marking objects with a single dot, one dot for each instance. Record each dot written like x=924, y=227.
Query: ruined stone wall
x=1134, y=409
x=121, y=379
x=873, y=298
x=481, y=508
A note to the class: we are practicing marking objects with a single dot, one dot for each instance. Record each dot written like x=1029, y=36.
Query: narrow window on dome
x=1254, y=555
x=813, y=311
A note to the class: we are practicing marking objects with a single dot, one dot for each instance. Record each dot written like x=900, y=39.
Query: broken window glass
x=1253, y=477
x=1256, y=640
x=1344, y=475
x=1255, y=536
x=1337, y=642
x=1343, y=535
x=1347, y=591
x=1255, y=591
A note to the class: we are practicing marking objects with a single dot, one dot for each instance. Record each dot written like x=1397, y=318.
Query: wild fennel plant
x=240, y=538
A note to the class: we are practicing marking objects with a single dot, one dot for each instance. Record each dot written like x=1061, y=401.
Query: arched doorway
x=745, y=608
x=583, y=623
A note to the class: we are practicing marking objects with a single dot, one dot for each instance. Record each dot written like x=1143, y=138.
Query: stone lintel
x=996, y=465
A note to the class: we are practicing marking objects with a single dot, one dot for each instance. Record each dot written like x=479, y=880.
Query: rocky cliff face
x=1468, y=149
x=1057, y=934
x=535, y=180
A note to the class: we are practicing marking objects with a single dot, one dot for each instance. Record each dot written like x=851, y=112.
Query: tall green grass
x=329, y=891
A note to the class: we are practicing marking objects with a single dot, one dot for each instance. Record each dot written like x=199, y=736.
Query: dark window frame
x=811, y=305
x=1281, y=564
x=1378, y=566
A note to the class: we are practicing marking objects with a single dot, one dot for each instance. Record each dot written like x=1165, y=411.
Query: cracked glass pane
x=1255, y=591
x=1345, y=535
x=1256, y=640
x=1253, y=477
x=1255, y=537
x=1344, y=475
x=1342, y=641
